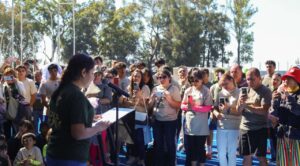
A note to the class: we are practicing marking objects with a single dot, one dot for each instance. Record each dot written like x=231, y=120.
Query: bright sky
x=276, y=32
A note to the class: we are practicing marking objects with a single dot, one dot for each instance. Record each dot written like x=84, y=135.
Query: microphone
x=118, y=90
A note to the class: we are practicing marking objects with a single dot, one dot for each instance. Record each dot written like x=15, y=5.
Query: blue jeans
x=227, y=142
x=164, y=133
x=56, y=162
x=37, y=119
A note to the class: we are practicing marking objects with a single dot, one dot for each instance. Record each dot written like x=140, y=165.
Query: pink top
x=196, y=108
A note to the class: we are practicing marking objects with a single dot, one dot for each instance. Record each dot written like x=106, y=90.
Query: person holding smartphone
x=196, y=104
x=14, y=92
x=139, y=95
x=165, y=99
x=228, y=120
x=286, y=113
x=254, y=106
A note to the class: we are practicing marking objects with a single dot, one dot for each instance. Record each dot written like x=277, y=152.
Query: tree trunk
x=209, y=52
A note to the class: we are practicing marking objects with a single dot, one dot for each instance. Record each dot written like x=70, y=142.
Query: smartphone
x=159, y=94
x=222, y=100
x=136, y=86
x=244, y=90
x=8, y=78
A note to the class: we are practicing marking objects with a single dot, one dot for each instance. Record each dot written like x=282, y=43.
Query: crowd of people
x=47, y=114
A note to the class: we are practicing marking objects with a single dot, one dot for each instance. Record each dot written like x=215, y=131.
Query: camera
x=159, y=94
x=7, y=78
x=222, y=100
x=244, y=90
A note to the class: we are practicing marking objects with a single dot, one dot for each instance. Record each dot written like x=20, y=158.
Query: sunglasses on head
x=161, y=77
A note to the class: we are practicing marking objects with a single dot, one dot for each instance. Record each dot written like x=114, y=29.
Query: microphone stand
x=115, y=98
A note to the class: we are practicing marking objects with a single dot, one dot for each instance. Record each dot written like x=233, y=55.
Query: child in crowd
x=4, y=158
x=29, y=154
x=15, y=143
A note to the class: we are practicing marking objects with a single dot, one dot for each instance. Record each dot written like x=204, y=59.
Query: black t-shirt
x=70, y=107
x=14, y=145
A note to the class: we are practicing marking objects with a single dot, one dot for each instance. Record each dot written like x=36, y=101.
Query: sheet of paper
x=93, y=89
x=110, y=115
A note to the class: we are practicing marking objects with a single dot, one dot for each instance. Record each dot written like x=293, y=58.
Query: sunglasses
x=161, y=77
x=195, y=80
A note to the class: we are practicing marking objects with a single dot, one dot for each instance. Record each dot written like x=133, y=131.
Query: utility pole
x=21, y=33
x=12, y=27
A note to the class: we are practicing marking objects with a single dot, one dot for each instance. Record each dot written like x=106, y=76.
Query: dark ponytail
x=73, y=71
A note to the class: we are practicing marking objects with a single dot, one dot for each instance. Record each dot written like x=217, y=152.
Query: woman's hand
x=276, y=94
x=167, y=96
x=220, y=116
x=103, y=125
x=224, y=107
x=152, y=98
x=97, y=117
x=242, y=100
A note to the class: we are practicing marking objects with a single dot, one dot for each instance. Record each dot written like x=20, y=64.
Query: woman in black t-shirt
x=71, y=115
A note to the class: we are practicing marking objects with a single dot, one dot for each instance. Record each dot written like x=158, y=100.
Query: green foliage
x=190, y=32
x=243, y=11
x=31, y=35
x=120, y=32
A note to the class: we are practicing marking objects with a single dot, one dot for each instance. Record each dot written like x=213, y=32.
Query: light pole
x=21, y=33
x=12, y=27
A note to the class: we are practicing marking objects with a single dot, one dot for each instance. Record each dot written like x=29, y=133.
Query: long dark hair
x=141, y=84
x=73, y=71
x=150, y=83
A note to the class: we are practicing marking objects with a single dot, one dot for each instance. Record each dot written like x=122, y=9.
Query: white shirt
x=34, y=153
x=30, y=89
x=47, y=88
